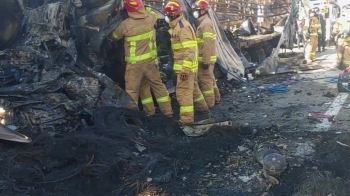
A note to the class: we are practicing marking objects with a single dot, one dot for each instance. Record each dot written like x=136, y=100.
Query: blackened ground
x=114, y=157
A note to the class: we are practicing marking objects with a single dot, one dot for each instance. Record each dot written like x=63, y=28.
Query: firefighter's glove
x=183, y=76
x=204, y=66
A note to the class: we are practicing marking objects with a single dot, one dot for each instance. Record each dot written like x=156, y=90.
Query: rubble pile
x=45, y=86
x=121, y=153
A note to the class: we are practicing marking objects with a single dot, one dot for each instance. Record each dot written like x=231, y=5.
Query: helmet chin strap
x=200, y=15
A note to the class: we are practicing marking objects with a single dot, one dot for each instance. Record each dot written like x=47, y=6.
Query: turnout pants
x=187, y=92
x=148, y=72
x=208, y=85
x=343, y=52
x=146, y=98
x=311, y=47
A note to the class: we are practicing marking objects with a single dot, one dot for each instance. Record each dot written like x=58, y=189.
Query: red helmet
x=133, y=5
x=173, y=8
x=201, y=5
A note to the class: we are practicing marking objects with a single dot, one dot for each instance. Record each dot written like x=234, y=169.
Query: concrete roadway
x=290, y=110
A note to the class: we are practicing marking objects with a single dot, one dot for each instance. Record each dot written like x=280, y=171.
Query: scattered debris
x=304, y=149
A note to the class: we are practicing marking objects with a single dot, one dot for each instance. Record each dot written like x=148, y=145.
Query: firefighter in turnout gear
x=185, y=51
x=311, y=30
x=141, y=53
x=341, y=31
x=206, y=39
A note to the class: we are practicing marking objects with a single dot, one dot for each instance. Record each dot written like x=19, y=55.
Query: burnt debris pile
x=45, y=86
x=96, y=160
x=120, y=154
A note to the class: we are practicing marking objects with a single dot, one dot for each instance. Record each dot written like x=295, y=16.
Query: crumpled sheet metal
x=202, y=127
x=271, y=64
x=46, y=22
x=113, y=95
x=8, y=134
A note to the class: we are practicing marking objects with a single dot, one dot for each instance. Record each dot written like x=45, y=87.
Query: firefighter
x=141, y=53
x=206, y=39
x=341, y=31
x=185, y=51
x=311, y=30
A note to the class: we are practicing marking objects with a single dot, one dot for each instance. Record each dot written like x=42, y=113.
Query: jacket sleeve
x=119, y=32
x=189, y=52
x=209, y=37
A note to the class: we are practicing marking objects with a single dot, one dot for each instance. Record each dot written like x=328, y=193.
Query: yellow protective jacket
x=184, y=45
x=313, y=27
x=139, y=36
x=206, y=39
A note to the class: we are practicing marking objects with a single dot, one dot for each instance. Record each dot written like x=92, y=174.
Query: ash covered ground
x=114, y=157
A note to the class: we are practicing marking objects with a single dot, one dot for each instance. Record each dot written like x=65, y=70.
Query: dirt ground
x=115, y=157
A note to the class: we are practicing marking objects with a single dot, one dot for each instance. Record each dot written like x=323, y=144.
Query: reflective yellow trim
x=183, y=45
x=346, y=62
x=215, y=86
x=346, y=39
x=142, y=57
x=199, y=98
x=186, y=109
x=212, y=59
x=143, y=36
x=187, y=64
x=133, y=58
x=114, y=35
x=209, y=35
x=313, y=34
x=208, y=92
x=163, y=99
x=147, y=100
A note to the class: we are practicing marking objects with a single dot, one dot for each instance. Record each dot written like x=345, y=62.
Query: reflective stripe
x=346, y=39
x=208, y=92
x=133, y=58
x=206, y=35
x=209, y=35
x=114, y=35
x=212, y=59
x=193, y=66
x=187, y=64
x=199, y=98
x=163, y=99
x=312, y=53
x=313, y=34
x=147, y=100
x=186, y=109
x=346, y=62
x=183, y=45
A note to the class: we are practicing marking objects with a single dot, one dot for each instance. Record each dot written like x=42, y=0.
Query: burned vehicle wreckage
x=59, y=59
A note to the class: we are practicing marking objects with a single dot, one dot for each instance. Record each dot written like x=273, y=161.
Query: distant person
x=341, y=31
x=311, y=30
x=299, y=35
x=322, y=37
